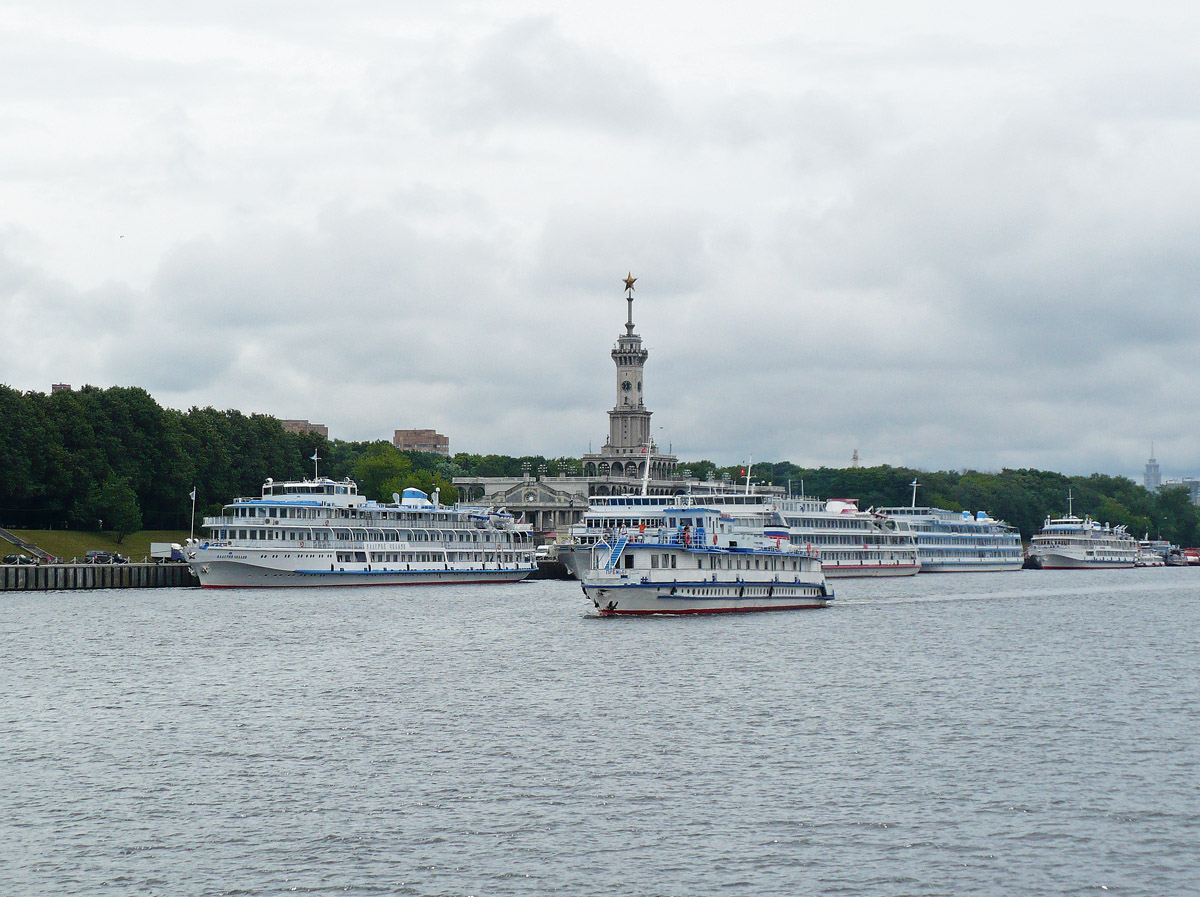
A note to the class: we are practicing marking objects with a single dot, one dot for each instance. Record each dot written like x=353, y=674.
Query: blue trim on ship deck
x=707, y=584
x=716, y=549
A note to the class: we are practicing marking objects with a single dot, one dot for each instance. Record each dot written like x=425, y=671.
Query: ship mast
x=914, y=484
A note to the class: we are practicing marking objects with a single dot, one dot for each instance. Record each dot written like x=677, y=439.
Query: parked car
x=95, y=556
x=18, y=559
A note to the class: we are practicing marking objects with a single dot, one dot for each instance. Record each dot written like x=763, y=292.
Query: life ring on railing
x=327, y=521
x=714, y=538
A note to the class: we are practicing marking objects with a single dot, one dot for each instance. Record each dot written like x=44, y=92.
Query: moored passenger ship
x=1072, y=543
x=851, y=542
x=957, y=542
x=324, y=533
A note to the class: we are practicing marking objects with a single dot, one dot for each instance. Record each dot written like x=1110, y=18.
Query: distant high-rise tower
x=854, y=460
x=1153, y=476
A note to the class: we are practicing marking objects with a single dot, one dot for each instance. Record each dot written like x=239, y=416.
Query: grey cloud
x=528, y=72
x=950, y=241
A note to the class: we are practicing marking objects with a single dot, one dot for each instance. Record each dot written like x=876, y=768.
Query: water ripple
x=965, y=735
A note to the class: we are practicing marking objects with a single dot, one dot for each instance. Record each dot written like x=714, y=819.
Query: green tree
x=379, y=469
x=117, y=505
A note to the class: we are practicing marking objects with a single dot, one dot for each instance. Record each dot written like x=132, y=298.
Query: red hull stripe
x=316, y=585
x=705, y=610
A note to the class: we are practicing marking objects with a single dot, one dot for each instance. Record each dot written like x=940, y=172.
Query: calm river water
x=1029, y=733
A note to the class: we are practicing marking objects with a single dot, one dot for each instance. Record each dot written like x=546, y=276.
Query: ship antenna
x=914, y=484
x=749, y=467
x=1070, y=504
x=315, y=459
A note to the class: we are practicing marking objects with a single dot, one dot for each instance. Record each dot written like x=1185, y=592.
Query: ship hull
x=1058, y=561
x=972, y=567
x=851, y=571
x=232, y=573
x=633, y=599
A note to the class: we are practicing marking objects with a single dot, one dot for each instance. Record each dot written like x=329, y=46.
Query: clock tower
x=630, y=460
x=629, y=421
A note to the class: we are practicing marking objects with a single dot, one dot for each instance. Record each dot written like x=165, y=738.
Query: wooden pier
x=47, y=577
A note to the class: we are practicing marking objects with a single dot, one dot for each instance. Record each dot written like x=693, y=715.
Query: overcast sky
x=947, y=234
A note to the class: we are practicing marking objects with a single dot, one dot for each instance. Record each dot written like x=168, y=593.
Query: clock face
x=627, y=386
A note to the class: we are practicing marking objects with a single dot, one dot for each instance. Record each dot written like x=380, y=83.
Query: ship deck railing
x=698, y=540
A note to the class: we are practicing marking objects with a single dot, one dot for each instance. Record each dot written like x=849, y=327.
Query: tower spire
x=629, y=282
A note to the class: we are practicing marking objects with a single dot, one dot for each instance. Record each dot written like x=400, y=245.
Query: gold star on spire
x=629, y=281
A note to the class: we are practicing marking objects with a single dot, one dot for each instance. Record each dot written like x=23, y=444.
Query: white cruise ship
x=1071, y=543
x=608, y=517
x=703, y=561
x=850, y=542
x=323, y=533
x=957, y=542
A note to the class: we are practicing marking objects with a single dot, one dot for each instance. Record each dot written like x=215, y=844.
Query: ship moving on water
x=703, y=561
x=850, y=542
x=324, y=533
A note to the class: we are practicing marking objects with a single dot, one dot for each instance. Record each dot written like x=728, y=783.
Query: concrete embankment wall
x=44, y=577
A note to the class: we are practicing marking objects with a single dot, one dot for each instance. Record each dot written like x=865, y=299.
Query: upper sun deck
x=319, y=492
x=955, y=520
x=1074, y=525
x=686, y=498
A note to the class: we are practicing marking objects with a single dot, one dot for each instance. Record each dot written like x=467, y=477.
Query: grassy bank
x=67, y=544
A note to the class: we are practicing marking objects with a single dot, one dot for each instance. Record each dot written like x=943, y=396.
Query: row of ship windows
x=993, y=553
x=894, y=541
x=259, y=512
x=343, y=535
x=981, y=541
x=906, y=557
x=428, y=557
x=823, y=523
x=1090, y=543
x=719, y=562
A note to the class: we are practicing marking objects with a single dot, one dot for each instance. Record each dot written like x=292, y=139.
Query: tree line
x=114, y=459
